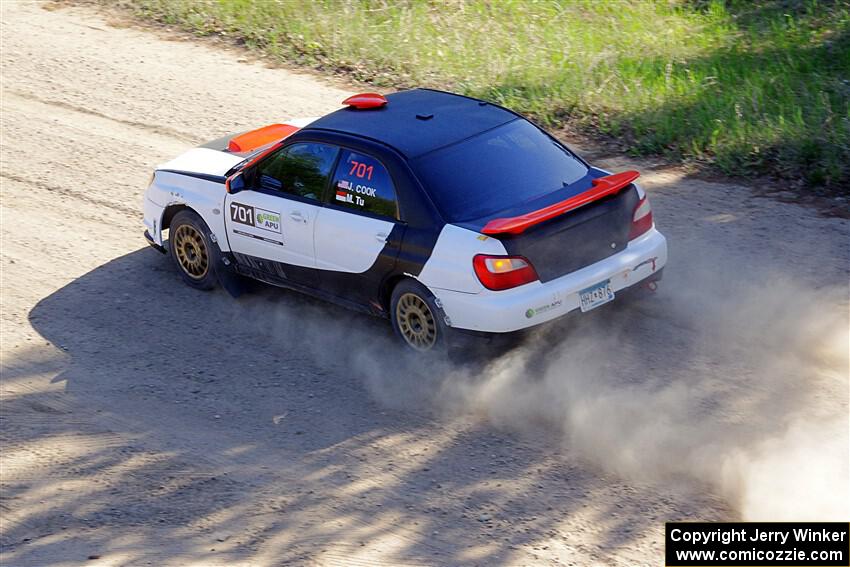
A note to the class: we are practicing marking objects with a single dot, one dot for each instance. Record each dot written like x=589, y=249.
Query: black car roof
x=418, y=121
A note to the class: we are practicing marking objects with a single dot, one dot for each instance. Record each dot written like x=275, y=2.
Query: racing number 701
x=241, y=214
x=361, y=170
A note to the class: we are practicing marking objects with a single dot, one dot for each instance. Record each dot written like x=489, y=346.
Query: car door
x=270, y=223
x=358, y=232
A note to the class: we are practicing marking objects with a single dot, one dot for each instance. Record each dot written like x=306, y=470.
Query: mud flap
x=233, y=283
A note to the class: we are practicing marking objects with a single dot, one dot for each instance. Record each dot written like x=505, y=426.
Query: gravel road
x=146, y=423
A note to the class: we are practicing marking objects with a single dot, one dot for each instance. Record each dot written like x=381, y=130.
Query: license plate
x=596, y=295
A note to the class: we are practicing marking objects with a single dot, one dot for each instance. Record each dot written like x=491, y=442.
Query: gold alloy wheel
x=191, y=251
x=416, y=322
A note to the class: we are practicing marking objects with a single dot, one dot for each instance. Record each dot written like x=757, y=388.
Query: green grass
x=748, y=87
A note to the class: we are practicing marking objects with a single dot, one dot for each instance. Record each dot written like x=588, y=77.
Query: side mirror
x=235, y=183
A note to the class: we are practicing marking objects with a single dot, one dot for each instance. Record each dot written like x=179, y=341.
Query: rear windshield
x=496, y=170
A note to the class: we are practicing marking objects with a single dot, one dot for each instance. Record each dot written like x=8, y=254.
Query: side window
x=299, y=169
x=362, y=183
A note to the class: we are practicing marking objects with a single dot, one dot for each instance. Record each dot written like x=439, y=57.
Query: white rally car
x=443, y=213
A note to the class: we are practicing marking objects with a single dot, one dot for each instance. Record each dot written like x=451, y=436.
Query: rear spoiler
x=602, y=187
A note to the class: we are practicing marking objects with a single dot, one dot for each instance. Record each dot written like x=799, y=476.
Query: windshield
x=495, y=170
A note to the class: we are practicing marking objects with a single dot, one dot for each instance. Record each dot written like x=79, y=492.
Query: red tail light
x=641, y=219
x=503, y=272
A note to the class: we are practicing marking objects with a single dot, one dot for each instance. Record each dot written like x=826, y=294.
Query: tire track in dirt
x=185, y=137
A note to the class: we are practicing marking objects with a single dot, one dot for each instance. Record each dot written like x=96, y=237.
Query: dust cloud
x=735, y=379
x=736, y=383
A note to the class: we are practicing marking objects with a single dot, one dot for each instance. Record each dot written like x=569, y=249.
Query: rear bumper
x=536, y=303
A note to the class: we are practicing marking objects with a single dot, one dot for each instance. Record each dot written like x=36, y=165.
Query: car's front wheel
x=416, y=318
x=189, y=247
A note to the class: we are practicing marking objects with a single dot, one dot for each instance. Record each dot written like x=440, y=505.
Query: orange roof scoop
x=365, y=101
x=260, y=137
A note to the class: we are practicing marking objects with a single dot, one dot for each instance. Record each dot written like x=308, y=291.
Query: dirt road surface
x=145, y=423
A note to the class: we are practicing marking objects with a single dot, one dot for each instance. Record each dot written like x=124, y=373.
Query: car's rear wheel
x=190, y=249
x=416, y=318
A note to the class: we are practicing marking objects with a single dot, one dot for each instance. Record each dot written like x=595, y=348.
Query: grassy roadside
x=751, y=88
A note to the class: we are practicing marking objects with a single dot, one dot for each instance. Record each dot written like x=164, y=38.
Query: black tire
x=417, y=320
x=191, y=249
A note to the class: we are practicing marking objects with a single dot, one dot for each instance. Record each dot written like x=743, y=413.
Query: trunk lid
x=577, y=238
